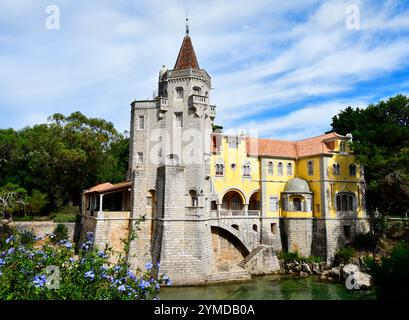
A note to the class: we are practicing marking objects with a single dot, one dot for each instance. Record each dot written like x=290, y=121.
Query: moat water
x=273, y=287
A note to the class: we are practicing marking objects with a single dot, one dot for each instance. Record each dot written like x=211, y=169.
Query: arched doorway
x=254, y=202
x=232, y=201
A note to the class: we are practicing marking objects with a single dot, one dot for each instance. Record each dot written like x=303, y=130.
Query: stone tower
x=170, y=170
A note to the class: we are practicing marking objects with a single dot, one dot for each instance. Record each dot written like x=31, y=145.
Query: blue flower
x=101, y=254
x=166, y=277
x=11, y=238
x=131, y=275
x=158, y=265
x=117, y=268
x=148, y=266
x=143, y=284
x=71, y=260
x=90, y=275
x=2, y=262
x=169, y=283
x=10, y=251
x=122, y=287
x=39, y=281
x=38, y=238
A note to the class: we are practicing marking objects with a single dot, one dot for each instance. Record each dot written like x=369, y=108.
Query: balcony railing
x=236, y=213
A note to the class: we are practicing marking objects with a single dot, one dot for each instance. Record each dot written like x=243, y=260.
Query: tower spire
x=186, y=58
x=187, y=23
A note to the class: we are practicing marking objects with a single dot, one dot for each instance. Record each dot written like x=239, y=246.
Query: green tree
x=62, y=157
x=12, y=199
x=381, y=144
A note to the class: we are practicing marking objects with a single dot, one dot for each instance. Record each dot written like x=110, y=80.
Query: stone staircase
x=250, y=256
x=235, y=274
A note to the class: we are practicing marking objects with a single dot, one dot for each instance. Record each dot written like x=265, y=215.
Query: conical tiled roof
x=187, y=57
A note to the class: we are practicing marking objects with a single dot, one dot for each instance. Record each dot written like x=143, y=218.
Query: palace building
x=217, y=206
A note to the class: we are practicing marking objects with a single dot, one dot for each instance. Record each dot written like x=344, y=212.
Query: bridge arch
x=234, y=235
x=228, y=249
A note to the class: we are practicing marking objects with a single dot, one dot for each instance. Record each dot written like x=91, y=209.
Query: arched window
x=255, y=227
x=179, y=93
x=219, y=169
x=336, y=169
x=270, y=167
x=193, y=197
x=289, y=169
x=352, y=170
x=345, y=201
x=197, y=90
x=246, y=170
x=173, y=160
x=280, y=169
x=310, y=168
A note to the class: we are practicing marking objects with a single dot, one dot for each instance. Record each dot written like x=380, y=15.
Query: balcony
x=212, y=112
x=236, y=213
x=195, y=98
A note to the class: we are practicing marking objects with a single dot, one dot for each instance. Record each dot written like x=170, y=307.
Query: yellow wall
x=233, y=178
x=275, y=184
x=314, y=181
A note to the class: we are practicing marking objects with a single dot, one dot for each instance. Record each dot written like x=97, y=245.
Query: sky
x=284, y=68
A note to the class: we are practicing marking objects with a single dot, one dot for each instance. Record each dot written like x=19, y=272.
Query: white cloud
x=262, y=56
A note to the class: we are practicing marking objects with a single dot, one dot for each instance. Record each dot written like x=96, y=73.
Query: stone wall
x=227, y=250
x=41, y=228
x=108, y=228
x=297, y=235
x=264, y=262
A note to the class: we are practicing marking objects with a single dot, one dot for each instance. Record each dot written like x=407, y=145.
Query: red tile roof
x=187, y=57
x=107, y=186
x=292, y=149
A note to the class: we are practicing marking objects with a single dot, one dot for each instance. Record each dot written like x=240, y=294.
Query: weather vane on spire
x=187, y=23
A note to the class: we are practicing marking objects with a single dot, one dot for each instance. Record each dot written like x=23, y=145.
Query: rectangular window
x=178, y=119
x=141, y=122
x=317, y=207
x=273, y=204
x=140, y=157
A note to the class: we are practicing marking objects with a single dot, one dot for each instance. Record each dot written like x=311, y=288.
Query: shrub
x=390, y=273
x=23, y=218
x=344, y=255
x=60, y=233
x=89, y=275
x=66, y=218
x=366, y=241
x=295, y=256
x=289, y=256
x=26, y=237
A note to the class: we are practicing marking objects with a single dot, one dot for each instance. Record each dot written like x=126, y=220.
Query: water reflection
x=272, y=287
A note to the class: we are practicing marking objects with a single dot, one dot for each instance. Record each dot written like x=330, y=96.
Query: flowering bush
x=43, y=270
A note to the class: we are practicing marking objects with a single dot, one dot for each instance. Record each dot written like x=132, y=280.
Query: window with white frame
x=219, y=169
x=141, y=122
x=270, y=167
x=273, y=204
x=342, y=146
x=178, y=119
x=289, y=169
x=233, y=143
x=246, y=170
x=280, y=169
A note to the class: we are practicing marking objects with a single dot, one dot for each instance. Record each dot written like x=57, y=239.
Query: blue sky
x=283, y=67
